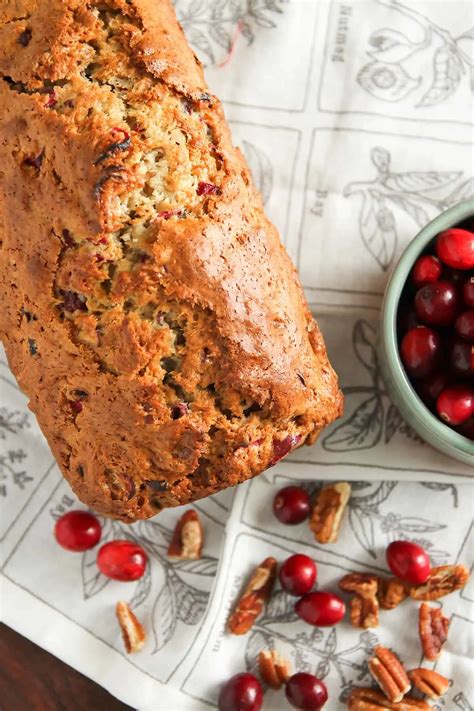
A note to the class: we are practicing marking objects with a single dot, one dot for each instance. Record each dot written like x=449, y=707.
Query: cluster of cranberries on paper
x=436, y=328
x=79, y=531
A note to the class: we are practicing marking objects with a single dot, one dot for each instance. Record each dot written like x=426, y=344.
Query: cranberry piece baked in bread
x=149, y=310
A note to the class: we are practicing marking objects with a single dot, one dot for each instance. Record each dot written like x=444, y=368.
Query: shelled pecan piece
x=391, y=592
x=362, y=699
x=132, y=630
x=256, y=594
x=433, y=629
x=389, y=673
x=326, y=515
x=442, y=581
x=364, y=606
x=188, y=537
x=429, y=682
x=274, y=669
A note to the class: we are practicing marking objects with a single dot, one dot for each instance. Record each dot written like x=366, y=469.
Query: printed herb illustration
x=371, y=522
x=12, y=421
x=419, y=194
x=260, y=167
x=461, y=702
x=387, y=77
x=179, y=590
x=370, y=416
x=12, y=473
x=436, y=486
x=455, y=700
x=213, y=28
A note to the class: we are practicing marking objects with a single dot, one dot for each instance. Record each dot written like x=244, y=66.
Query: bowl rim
x=396, y=283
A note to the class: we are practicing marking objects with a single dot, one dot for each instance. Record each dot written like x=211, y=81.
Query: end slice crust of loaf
x=149, y=311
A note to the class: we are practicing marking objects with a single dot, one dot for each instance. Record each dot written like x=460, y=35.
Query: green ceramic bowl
x=427, y=425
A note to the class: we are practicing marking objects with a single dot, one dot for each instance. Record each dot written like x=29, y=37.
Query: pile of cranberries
x=120, y=560
x=243, y=692
x=436, y=328
x=298, y=573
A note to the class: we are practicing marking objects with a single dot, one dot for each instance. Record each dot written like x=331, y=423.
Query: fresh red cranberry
x=462, y=357
x=297, y=574
x=291, y=505
x=468, y=292
x=420, y=351
x=408, y=561
x=305, y=691
x=455, y=404
x=122, y=560
x=243, y=692
x=465, y=325
x=427, y=269
x=77, y=531
x=437, y=304
x=321, y=609
x=455, y=247
x=429, y=388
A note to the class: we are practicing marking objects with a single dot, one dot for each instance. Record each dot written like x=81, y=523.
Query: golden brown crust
x=149, y=310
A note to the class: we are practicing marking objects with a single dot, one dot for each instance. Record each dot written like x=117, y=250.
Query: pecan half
x=188, y=537
x=391, y=592
x=328, y=508
x=364, y=606
x=442, y=581
x=433, y=629
x=429, y=682
x=371, y=700
x=251, y=603
x=274, y=669
x=389, y=673
x=132, y=630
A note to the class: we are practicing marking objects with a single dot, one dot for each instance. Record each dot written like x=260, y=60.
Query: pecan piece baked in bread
x=149, y=310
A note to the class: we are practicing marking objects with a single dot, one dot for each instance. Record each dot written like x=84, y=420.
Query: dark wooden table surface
x=33, y=680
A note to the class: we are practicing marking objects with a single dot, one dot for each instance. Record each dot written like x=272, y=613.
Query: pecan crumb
x=429, y=682
x=132, y=630
x=391, y=592
x=250, y=605
x=274, y=669
x=433, y=629
x=442, y=581
x=364, y=606
x=363, y=699
x=188, y=537
x=328, y=508
x=389, y=673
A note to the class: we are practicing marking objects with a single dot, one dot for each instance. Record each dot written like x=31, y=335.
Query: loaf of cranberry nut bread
x=149, y=310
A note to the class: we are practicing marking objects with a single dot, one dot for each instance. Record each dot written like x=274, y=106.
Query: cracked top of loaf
x=149, y=310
